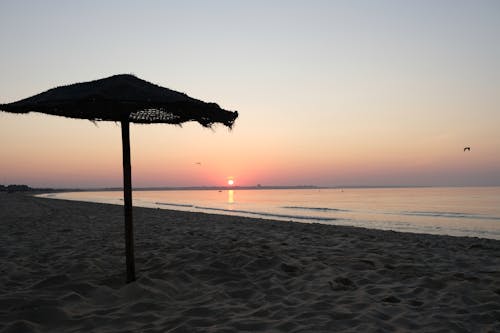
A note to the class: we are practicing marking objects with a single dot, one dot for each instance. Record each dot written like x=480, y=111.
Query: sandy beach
x=62, y=270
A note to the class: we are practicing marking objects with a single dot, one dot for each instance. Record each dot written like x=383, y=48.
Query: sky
x=329, y=93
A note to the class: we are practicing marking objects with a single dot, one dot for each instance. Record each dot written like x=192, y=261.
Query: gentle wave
x=321, y=209
x=298, y=217
x=172, y=204
x=326, y=209
x=450, y=214
x=401, y=226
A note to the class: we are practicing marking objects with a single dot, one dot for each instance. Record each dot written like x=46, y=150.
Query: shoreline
x=416, y=220
x=63, y=269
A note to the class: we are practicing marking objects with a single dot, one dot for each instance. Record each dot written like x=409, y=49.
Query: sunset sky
x=330, y=93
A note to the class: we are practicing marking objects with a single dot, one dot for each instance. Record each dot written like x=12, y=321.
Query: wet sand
x=62, y=269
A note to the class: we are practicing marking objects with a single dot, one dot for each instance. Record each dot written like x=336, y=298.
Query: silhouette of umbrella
x=125, y=99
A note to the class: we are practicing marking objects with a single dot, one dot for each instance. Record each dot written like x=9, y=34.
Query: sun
x=230, y=182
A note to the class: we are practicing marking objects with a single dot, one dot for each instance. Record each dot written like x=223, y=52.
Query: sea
x=455, y=211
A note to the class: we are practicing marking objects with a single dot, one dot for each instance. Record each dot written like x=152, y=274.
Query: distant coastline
x=26, y=188
x=218, y=188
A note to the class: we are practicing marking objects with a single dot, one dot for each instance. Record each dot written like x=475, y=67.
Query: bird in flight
x=197, y=163
x=467, y=148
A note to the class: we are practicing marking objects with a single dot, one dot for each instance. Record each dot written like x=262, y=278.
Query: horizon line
x=250, y=187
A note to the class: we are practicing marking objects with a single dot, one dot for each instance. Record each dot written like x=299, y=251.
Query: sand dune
x=62, y=270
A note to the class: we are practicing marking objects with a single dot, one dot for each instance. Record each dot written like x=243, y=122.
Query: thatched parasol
x=123, y=98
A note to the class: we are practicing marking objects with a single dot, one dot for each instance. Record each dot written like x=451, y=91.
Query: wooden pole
x=127, y=198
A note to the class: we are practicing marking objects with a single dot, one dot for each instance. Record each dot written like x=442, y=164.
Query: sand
x=62, y=270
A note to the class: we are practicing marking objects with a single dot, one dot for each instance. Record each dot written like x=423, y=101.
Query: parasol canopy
x=124, y=98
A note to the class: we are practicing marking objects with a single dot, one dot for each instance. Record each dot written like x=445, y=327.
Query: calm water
x=467, y=211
